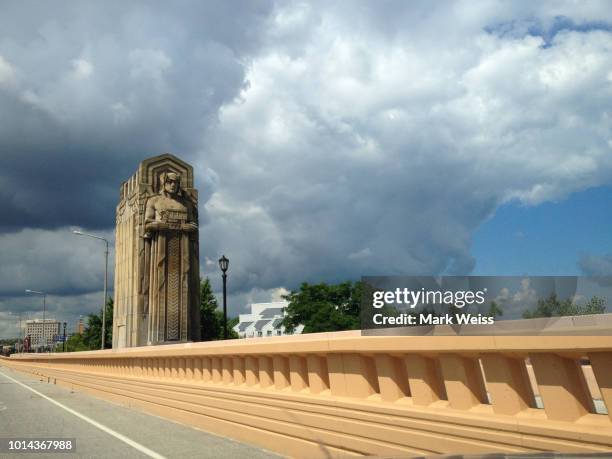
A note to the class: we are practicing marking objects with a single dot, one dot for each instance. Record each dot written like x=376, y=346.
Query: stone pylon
x=156, y=256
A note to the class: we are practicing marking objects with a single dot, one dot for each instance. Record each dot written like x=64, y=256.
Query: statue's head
x=170, y=183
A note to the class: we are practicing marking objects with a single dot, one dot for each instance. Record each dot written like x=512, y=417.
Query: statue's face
x=171, y=185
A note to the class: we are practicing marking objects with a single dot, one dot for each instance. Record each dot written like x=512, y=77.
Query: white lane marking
x=123, y=438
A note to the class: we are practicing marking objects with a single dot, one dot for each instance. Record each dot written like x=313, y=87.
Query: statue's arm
x=191, y=225
x=150, y=211
x=151, y=224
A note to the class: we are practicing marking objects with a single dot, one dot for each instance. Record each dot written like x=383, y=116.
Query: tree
x=324, y=307
x=93, y=330
x=91, y=337
x=495, y=310
x=211, y=317
x=553, y=307
x=231, y=323
x=595, y=305
x=75, y=343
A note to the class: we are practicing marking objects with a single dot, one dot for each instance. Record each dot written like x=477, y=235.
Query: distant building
x=80, y=328
x=36, y=332
x=264, y=320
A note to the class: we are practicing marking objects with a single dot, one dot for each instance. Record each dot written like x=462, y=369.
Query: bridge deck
x=24, y=413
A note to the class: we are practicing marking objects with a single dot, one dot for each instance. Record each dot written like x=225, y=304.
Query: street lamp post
x=64, y=340
x=224, y=264
x=44, y=335
x=21, y=334
x=19, y=338
x=79, y=233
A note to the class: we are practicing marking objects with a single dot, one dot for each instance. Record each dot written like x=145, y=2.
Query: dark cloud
x=90, y=90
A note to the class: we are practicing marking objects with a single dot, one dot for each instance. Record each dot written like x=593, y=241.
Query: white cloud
x=278, y=293
x=82, y=69
x=8, y=76
x=593, y=265
x=400, y=140
x=363, y=253
x=514, y=303
x=239, y=302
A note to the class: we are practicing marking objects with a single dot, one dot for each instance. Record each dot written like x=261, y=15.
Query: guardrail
x=332, y=394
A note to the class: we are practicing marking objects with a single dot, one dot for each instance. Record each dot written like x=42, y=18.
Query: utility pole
x=80, y=233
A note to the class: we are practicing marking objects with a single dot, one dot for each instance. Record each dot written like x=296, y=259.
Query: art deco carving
x=156, y=266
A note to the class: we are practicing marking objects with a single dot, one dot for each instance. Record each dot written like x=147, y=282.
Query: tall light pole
x=20, y=335
x=19, y=338
x=224, y=264
x=44, y=335
x=79, y=233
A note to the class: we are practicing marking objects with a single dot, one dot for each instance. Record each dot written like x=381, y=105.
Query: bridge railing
x=336, y=393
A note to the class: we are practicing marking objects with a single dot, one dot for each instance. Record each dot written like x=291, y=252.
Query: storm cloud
x=329, y=140
x=87, y=91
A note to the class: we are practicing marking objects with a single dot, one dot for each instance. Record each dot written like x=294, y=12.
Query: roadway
x=30, y=408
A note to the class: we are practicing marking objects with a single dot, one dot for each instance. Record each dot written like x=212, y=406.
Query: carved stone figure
x=156, y=261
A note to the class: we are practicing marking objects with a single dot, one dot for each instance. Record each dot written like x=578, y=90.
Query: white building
x=264, y=320
x=36, y=332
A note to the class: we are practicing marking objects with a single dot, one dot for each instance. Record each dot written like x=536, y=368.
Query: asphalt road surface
x=33, y=409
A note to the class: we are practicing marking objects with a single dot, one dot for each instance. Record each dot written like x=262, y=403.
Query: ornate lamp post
x=80, y=233
x=224, y=264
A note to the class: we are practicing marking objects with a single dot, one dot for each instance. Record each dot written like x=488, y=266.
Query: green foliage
x=456, y=311
x=553, y=307
x=324, y=307
x=75, y=343
x=93, y=330
x=91, y=337
x=211, y=317
x=231, y=323
x=495, y=310
x=210, y=325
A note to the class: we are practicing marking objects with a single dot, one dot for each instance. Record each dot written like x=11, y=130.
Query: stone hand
x=189, y=226
x=156, y=226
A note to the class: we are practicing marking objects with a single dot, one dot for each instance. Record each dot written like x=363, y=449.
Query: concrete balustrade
x=335, y=394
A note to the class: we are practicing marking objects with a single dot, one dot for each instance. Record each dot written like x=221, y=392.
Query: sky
x=330, y=140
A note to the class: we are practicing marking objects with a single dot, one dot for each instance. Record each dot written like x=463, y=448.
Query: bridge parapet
x=332, y=394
